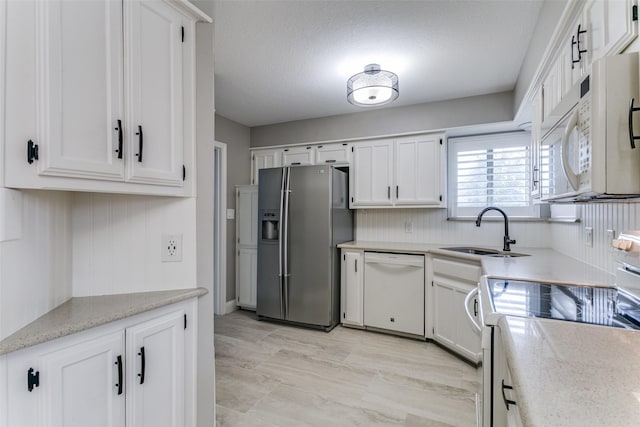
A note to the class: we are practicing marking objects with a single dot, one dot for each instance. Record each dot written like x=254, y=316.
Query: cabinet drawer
x=461, y=270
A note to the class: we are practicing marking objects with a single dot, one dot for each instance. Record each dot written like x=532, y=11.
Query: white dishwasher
x=394, y=292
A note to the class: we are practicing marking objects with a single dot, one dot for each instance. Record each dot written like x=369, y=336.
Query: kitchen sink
x=483, y=252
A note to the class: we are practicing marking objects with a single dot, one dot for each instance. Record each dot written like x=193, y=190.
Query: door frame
x=220, y=240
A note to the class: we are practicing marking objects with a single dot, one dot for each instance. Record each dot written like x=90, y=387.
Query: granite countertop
x=542, y=264
x=79, y=314
x=573, y=374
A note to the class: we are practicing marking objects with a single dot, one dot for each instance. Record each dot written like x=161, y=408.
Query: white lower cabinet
x=452, y=282
x=505, y=403
x=155, y=372
x=394, y=292
x=136, y=372
x=352, y=288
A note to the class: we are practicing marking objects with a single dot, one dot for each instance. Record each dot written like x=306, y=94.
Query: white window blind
x=490, y=170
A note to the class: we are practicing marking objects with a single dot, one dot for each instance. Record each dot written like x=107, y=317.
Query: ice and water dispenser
x=270, y=221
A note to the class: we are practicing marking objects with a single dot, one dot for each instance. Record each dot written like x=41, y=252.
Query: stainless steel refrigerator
x=303, y=213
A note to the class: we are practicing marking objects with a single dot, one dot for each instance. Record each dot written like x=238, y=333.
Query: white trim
x=3, y=77
x=220, y=277
x=230, y=307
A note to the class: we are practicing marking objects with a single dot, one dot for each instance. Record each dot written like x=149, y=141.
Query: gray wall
x=469, y=111
x=237, y=138
x=548, y=19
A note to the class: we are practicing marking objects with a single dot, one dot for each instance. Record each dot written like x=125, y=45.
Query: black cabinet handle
x=33, y=379
x=140, y=143
x=632, y=137
x=356, y=266
x=389, y=192
x=329, y=161
x=119, y=129
x=397, y=191
x=32, y=151
x=507, y=402
x=475, y=307
x=142, y=365
x=580, y=51
x=119, y=385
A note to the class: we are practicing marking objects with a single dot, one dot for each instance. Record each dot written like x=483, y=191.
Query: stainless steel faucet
x=507, y=241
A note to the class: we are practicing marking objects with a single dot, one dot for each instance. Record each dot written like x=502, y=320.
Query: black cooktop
x=584, y=304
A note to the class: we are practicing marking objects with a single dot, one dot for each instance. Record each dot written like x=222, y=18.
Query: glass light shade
x=372, y=87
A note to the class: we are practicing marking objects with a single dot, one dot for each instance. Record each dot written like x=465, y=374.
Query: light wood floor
x=270, y=374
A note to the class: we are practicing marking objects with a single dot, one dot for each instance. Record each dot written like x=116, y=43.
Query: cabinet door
x=153, y=48
x=610, y=27
x=247, y=215
x=451, y=327
x=299, y=156
x=536, y=135
x=80, y=95
x=333, y=153
x=372, y=174
x=81, y=384
x=352, y=290
x=263, y=159
x=572, y=64
x=418, y=170
x=247, y=277
x=155, y=372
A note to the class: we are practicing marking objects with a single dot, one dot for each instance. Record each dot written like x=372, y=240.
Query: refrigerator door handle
x=280, y=257
x=285, y=253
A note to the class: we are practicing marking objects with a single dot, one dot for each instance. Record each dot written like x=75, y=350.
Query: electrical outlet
x=408, y=227
x=588, y=236
x=171, y=247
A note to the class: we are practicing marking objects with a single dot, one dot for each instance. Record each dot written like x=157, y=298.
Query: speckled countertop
x=79, y=314
x=542, y=264
x=570, y=374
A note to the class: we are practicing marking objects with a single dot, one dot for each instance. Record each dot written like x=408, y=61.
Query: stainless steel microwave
x=588, y=145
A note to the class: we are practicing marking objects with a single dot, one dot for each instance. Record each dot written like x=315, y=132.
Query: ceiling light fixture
x=373, y=87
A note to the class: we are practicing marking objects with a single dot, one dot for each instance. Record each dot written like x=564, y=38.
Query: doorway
x=219, y=227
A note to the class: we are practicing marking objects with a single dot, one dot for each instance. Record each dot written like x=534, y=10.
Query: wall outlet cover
x=171, y=248
x=588, y=236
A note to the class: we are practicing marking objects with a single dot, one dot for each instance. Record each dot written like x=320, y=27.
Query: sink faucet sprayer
x=507, y=241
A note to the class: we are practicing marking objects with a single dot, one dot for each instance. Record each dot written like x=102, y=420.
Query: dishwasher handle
x=393, y=259
x=473, y=294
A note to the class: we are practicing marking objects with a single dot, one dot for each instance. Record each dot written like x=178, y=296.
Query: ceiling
x=278, y=61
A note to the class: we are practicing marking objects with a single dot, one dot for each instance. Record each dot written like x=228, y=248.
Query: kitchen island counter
x=82, y=313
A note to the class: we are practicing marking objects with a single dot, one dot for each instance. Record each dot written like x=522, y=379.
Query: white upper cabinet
x=418, y=170
x=609, y=27
x=264, y=159
x=372, y=173
x=153, y=48
x=80, y=101
x=107, y=98
x=406, y=171
x=299, y=156
x=333, y=153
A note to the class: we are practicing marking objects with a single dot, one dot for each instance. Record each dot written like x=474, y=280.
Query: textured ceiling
x=277, y=61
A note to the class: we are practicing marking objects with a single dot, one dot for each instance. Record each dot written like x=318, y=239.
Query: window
x=490, y=170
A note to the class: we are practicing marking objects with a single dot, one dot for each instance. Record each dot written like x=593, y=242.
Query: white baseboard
x=230, y=307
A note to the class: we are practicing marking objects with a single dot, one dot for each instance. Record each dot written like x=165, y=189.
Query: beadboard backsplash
x=432, y=226
x=570, y=238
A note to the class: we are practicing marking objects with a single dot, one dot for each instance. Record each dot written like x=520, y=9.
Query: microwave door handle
x=572, y=177
x=632, y=137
